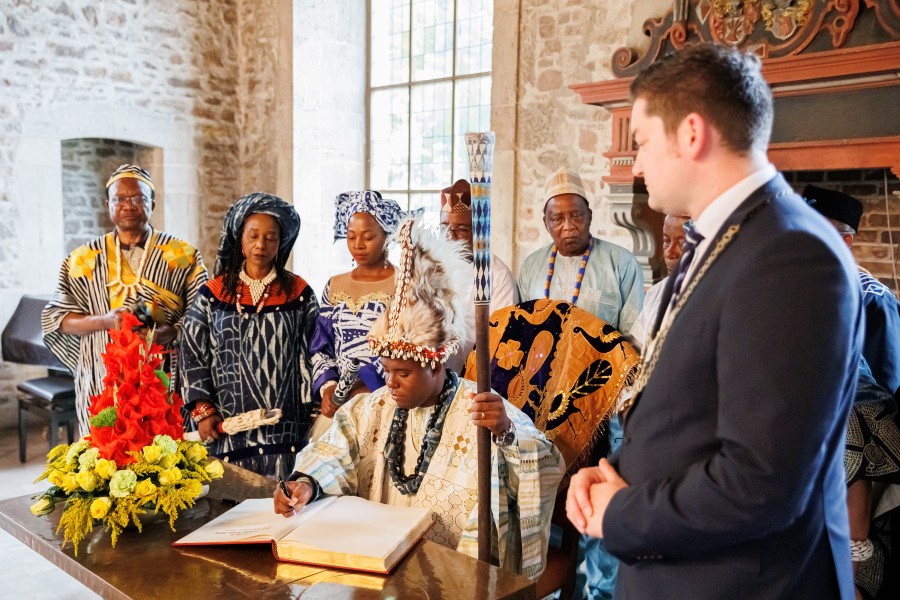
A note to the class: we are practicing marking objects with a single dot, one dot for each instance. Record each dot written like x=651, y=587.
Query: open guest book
x=343, y=532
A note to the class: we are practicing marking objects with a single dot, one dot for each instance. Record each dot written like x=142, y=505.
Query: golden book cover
x=342, y=532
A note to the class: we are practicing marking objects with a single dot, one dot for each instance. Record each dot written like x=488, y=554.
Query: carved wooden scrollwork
x=888, y=14
x=769, y=28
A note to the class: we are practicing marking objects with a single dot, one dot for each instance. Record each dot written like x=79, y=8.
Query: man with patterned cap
x=412, y=442
x=456, y=221
x=597, y=276
x=133, y=268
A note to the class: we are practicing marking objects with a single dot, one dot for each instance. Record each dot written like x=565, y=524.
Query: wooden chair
x=52, y=399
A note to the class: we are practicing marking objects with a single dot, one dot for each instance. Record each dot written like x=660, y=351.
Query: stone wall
x=560, y=42
x=160, y=73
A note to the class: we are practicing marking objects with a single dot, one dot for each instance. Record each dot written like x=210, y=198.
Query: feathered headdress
x=426, y=319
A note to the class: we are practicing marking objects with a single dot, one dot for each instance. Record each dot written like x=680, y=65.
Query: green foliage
x=163, y=376
x=105, y=418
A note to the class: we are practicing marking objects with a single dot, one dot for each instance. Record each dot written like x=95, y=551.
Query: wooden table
x=145, y=565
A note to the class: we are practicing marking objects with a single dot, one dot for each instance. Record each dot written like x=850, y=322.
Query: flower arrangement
x=133, y=458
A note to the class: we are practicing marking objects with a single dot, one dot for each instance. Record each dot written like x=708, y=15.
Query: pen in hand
x=287, y=493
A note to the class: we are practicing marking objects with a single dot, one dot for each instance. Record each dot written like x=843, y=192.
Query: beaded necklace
x=552, y=267
x=259, y=291
x=130, y=289
x=395, y=448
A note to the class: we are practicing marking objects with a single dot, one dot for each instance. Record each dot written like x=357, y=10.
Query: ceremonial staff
x=480, y=147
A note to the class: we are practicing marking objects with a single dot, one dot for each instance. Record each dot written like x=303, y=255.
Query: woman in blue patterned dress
x=352, y=301
x=246, y=339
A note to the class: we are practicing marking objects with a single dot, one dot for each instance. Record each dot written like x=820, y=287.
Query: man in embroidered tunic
x=423, y=422
x=597, y=276
x=131, y=266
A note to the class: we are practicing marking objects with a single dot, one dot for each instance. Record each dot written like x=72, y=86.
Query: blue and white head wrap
x=386, y=212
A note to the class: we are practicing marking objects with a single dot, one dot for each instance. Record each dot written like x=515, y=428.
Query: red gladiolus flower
x=143, y=404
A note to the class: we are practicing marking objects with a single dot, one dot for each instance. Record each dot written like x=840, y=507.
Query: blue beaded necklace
x=584, y=260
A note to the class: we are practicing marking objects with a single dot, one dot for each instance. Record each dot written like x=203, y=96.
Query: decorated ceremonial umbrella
x=480, y=147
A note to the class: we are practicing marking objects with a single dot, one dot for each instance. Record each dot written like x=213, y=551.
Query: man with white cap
x=597, y=276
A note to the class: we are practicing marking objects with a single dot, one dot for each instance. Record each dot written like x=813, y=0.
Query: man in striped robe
x=131, y=266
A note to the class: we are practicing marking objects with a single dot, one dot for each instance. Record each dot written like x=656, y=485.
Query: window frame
x=409, y=84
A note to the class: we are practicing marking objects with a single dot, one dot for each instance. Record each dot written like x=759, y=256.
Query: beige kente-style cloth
x=349, y=460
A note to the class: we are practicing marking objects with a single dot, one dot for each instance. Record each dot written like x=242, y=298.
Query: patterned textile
x=258, y=203
x=386, y=212
x=563, y=367
x=881, y=347
x=172, y=274
x=349, y=460
x=872, y=449
x=346, y=314
x=256, y=360
x=131, y=172
x=872, y=453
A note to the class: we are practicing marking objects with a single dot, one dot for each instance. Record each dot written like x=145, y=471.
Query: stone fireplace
x=834, y=69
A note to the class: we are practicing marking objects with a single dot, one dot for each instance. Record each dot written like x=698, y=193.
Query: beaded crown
x=426, y=318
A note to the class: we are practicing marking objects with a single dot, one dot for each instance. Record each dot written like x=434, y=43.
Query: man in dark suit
x=729, y=483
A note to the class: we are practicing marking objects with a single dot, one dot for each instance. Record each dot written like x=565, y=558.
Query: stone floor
x=25, y=573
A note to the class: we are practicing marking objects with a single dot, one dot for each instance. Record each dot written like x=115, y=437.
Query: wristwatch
x=506, y=438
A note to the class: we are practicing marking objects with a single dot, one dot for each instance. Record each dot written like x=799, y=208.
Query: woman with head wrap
x=352, y=301
x=246, y=339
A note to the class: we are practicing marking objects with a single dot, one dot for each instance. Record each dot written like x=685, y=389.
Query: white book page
x=251, y=520
x=356, y=526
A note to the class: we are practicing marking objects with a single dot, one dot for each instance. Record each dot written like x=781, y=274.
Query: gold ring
x=482, y=416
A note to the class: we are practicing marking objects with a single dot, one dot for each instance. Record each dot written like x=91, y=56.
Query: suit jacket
x=734, y=449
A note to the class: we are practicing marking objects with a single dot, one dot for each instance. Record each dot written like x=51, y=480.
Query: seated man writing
x=412, y=442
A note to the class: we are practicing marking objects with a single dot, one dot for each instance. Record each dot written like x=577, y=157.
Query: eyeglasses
x=135, y=201
x=557, y=219
x=456, y=231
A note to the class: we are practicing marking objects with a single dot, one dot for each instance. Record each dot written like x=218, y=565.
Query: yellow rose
x=144, y=488
x=100, y=506
x=87, y=480
x=214, y=469
x=44, y=506
x=57, y=477
x=196, y=452
x=105, y=468
x=151, y=453
x=70, y=483
x=169, y=477
x=193, y=486
x=168, y=461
